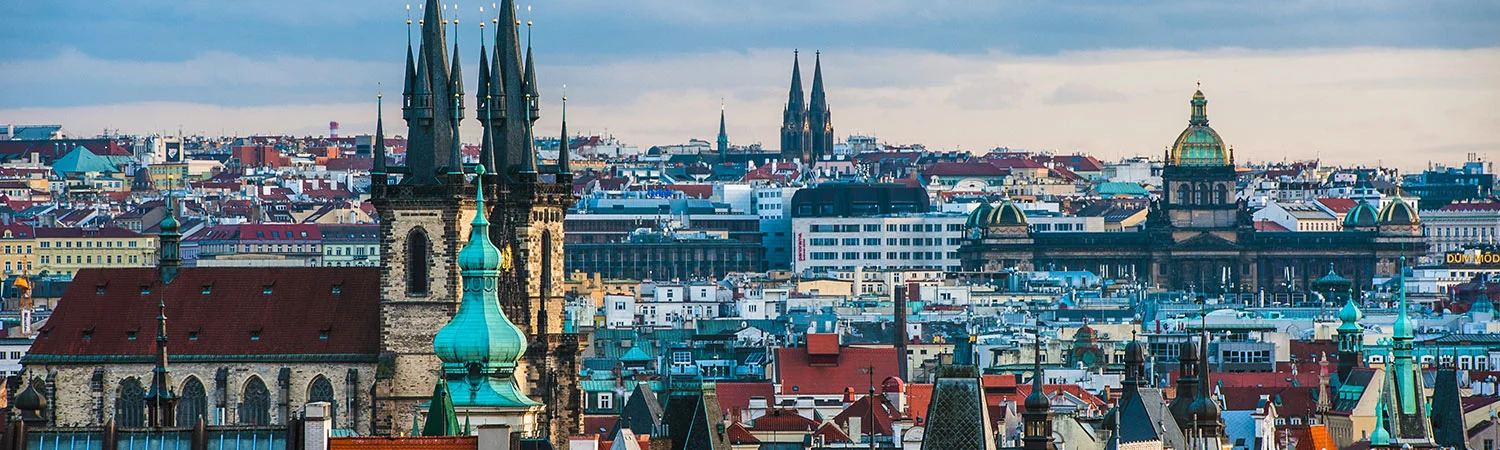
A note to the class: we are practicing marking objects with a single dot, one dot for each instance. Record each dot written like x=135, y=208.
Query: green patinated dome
x=980, y=216
x=1398, y=213
x=1332, y=282
x=1008, y=214
x=1482, y=305
x=480, y=344
x=1361, y=216
x=1199, y=145
x=1350, y=315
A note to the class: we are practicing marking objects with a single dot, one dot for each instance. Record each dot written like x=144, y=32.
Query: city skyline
x=1389, y=84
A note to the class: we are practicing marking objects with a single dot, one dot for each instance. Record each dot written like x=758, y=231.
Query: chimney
x=316, y=426
x=494, y=437
x=856, y=428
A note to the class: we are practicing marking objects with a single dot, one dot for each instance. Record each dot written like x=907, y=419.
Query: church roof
x=957, y=418
x=216, y=312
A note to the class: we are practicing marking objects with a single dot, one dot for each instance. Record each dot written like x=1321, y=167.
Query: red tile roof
x=783, y=420
x=734, y=397
x=403, y=443
x=1052, y=390
x=737, y=434
x=822, y=344
x=831, y=433
x=1016, y=163
x=1337, y=205
x=235, y=317
x=1293, y=401
x=1266, y=225
x=798, y=377
x=918, y=395
x=593, y=423
x=884, y=415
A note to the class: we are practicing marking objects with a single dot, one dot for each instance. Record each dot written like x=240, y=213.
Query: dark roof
x=235, y=318
x=859, y=200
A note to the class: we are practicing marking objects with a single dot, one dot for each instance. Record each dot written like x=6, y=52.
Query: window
x=192, y=335
x=193, y=403
x=619, y=306
x=869, y=227
x=267, y=289
x=682, y=358
x=606, y=400
x=208, y=289
x=322, y=391
x=338, y=289
x=851, y=241
x=851, y=255
x=255, y=405
x=130, y=335
x=130, y=405
x=255, y=335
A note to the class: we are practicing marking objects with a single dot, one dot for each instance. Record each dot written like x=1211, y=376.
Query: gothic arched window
x=130, y=405
x=417, y=262
x=546, y=281
x=192, y=404
x=255, y=406
x=322, y=391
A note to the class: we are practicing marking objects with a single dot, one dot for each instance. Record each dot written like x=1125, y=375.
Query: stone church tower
x=425, y=208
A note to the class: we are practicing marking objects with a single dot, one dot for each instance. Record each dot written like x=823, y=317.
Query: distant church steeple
x=819, y=120
x=1037, y=433
x=723, y=137
x=795, y=139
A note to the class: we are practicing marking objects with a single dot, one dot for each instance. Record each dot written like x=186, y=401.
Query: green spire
x=1380, y=436
x=441, y=420
x=480, y=345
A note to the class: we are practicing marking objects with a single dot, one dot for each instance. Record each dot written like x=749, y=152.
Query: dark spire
x=723, y=136
x=379, y=151
x=161, y=402
x=456, y=77
x=564, y=167
x=794, y=95
x=482, y=104
x=533, y=112
x=819, y=120
x=407, y=93
x=506, y=86
x=1038, y=416
x=428, y=137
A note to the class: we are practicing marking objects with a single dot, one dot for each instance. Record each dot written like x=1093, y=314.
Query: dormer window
x=192, y=335
x=338, y=289
x=323, y=334
x=267, y=289
x=130, y=335
x=208, y=289
x=88, y=334
x=99, y=290
x=255, y=335
x=146, y=290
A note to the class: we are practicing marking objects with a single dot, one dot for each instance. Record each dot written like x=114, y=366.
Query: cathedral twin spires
x=806, y=126
x=432, y=104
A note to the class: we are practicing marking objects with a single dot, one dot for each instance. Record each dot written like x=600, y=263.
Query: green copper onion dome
x=1350, y=315
x=1199, y=145
x=1361, y=216
x=479, y=337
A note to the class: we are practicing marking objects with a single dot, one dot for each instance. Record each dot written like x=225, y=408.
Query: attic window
x=130, y=335
x=338, y=288
x=208, y=289
x=323, y=334
x=192, y=335
x=255, y=335
x=99, y=290
x=146, y=290
x=267, y=289
x=88, y=334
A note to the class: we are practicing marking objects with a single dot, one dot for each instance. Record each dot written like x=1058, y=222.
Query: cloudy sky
x=1357, y=82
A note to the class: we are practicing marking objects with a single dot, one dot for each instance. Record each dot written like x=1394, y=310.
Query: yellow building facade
x=63, y=251
x=17, y=249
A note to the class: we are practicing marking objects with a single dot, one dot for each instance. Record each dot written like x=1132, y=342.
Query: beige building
x=65, y=251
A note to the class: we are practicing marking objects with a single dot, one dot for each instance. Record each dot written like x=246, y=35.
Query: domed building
x=1199, y=235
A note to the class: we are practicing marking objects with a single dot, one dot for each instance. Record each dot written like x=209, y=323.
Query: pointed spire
x=161, y=401
x=378, y=153
x=564, y=146
x=170, y=259
x=818, y=96
x=528, y=157
x=506, y=87
x=723, y=135
x=484, y=102
x=794, y=95
x=456, y=75
x=441, y=419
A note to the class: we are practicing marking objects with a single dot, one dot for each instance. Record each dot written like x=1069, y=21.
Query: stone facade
x=86, y=394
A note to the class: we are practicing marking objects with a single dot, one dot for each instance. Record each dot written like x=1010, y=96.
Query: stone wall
x=80, y=400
